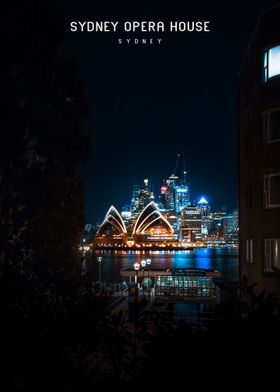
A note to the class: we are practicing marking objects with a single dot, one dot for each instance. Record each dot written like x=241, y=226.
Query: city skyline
x=157, y=192
x=167, y=217
x=149, y=102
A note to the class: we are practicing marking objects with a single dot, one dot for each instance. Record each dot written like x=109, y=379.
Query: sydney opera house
x=150, y=227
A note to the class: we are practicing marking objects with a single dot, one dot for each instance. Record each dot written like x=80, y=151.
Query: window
x=271, y=62
x=271, y=191
x=271, y=126
x=271, y=254
x=250, y=245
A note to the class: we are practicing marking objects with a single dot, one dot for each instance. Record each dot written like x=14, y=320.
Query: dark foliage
x=42, y=102
x=43, y=303
x=234, y=352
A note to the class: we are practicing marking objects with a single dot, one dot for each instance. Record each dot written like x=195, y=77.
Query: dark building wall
x=256, y=158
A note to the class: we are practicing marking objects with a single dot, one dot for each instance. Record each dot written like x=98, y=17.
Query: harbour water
x=224, y=260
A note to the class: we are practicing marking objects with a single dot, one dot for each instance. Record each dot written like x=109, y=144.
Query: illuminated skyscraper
x=171, y=183
x=141, y=197
x=216, y=227
x=230, y=226
x=204, y=208
x=191, y=224
x=182, y=197
x=134, y=207
x=163, y=193
x=145, y=195
x=176, y=191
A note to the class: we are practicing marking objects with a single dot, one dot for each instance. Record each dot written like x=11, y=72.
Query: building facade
x=230, y=227
x=175, y=194
x=205, y=209
x=141, y=197
x=191, y=224
x=259, y=155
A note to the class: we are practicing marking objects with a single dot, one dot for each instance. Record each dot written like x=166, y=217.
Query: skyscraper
x=134, y=207
x=176, y=191
x=191, y=224
x=141, y=197
x=204, y=208
x=163, y=194
x=229, y=226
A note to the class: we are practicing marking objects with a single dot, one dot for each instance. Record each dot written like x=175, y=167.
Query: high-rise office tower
x=191, y=224
x=177, y=194
x=204, y=208
x=216, y=227
x=141, y=197
x=162, y=197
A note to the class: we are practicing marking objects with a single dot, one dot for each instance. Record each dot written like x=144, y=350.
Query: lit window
x=272, y=190
x=250, y=251
x=271, y=254
x=271, y=62
x=271, y=126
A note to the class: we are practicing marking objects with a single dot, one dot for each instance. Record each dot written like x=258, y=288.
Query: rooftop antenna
x=185, y=171
x=176, y=164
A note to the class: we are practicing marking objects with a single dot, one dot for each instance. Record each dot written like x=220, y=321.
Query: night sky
x=150, y=102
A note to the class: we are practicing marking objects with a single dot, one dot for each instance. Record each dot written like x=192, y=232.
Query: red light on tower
x=163, y=188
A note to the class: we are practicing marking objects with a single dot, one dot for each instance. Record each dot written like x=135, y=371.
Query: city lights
x=143, y=263
x=175, y=221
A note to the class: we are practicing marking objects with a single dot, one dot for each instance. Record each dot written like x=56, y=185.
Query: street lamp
x=143, y=265
x=136, y=268
x=149, y=262
x=99, y=260
x=84, y=262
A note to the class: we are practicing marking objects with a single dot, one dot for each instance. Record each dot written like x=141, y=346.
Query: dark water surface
x=224, y=260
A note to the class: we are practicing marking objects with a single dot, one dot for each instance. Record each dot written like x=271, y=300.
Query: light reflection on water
x=224, y=260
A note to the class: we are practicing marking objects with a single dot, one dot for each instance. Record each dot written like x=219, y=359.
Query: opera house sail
x=150, y=225
x=112, y=223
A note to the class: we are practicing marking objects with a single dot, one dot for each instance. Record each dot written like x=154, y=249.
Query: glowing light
x=126, y=214
x=203, y=200
x=130, y=243
x=138, y=228
x=143, y=263
x=136, y=266
x=140, y=216
x=149, y=224
x=274, y=61
x=116, y=221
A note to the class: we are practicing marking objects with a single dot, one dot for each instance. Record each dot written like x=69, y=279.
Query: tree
x=41, y=198
x=41, y=144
